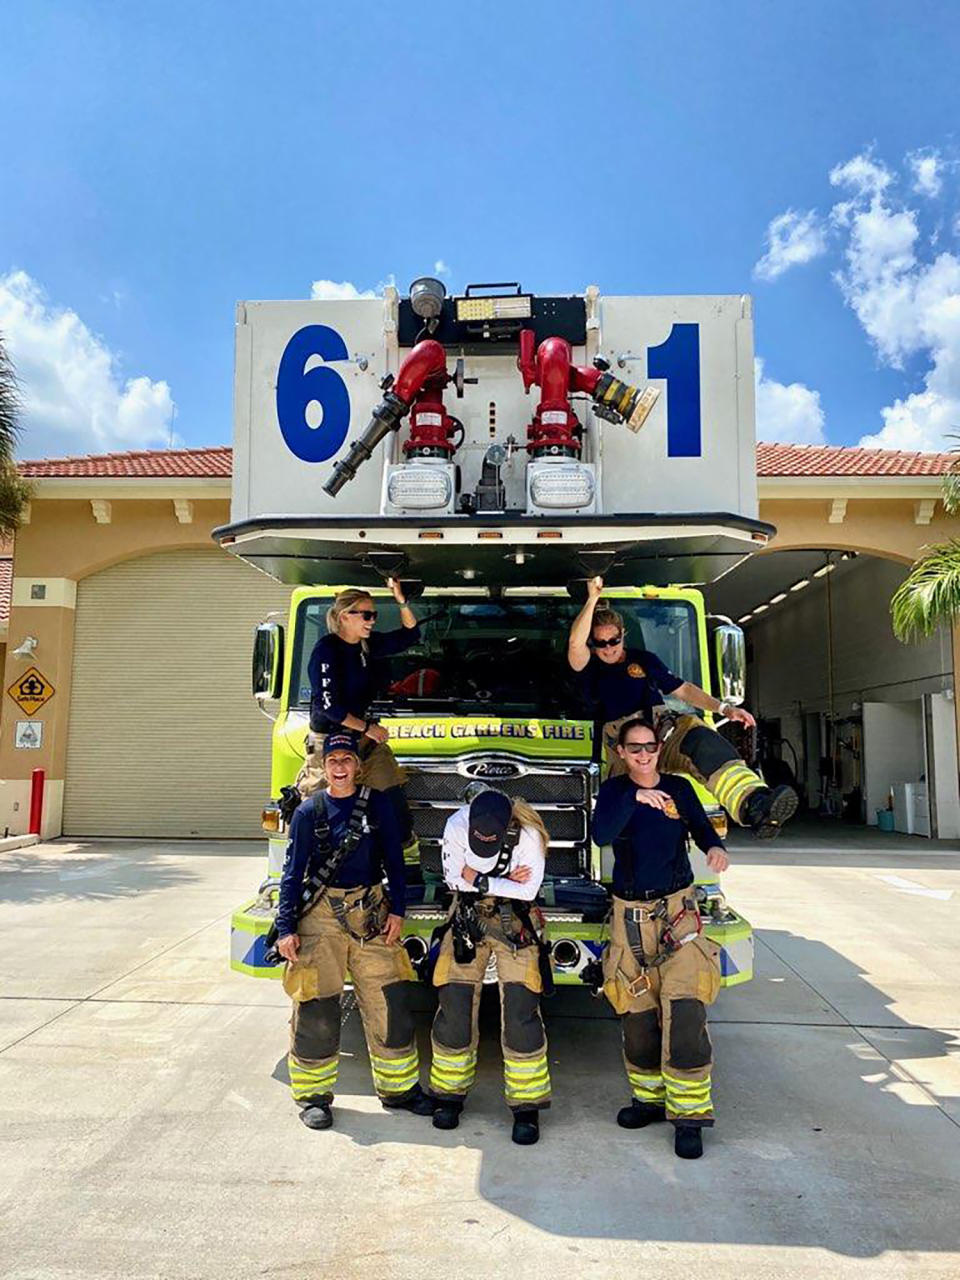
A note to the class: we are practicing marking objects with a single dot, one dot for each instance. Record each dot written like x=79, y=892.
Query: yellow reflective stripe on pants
x=734, y=785
x=308, y=1082
x=646, y=1088
x=453, y=1072
x=688, y=1097
x=527, y=1080
x=395, y=1075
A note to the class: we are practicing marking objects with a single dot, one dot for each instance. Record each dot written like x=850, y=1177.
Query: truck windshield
x=507, y=654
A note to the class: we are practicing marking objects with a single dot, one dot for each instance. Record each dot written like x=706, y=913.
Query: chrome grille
x=565, y=825
x=448, y=786
x=560, y=795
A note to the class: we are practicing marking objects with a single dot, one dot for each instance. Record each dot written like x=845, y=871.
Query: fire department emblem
x=670, y=809
x=635, y=670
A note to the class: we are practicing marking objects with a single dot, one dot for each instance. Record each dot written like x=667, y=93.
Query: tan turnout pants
x=455, y=1034
x=382, y=979
x=695, y=749
x=666, y=1046
x=378, y=767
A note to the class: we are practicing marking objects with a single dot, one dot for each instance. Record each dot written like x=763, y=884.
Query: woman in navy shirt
x=347, y=669
x=660, y=971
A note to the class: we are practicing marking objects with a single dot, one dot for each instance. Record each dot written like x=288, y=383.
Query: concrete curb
x=17, y=842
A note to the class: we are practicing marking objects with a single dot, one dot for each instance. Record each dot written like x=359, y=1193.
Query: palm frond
x=930, y=594
x=10, y=406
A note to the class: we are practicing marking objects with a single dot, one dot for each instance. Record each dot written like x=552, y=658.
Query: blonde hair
x=527, y=816
x=343, y=602
x=604, y=616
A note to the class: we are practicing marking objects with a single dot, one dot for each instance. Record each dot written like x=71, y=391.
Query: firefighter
x=350, y=923
x=347, y=670
x=659, y=970
x=494, y=854
x=622, y=683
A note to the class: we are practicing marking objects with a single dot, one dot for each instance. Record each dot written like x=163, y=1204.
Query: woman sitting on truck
x=621, y=683
x=347, y=670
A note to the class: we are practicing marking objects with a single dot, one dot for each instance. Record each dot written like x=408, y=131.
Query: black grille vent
x=560, y=862
x=561, y=824
x=537, y=788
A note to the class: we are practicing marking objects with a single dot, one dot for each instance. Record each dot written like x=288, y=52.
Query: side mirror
x=268, y=662
x=729, y=661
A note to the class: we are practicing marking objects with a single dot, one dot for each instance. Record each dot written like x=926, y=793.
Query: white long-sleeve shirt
x=457, y=855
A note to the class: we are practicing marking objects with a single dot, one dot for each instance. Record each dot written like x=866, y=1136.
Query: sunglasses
x=606, y=644
x=368, y=615
x=635, y=748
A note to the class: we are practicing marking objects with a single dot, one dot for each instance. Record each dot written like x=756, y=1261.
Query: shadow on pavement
x=821, y=1141
x=75, y=870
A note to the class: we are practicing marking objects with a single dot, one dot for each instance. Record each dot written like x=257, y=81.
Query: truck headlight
x=419, y=488
x=560, y=486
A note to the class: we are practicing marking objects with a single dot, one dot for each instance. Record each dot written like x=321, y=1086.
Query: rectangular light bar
x=419, y=488
x=823, y=570
x=515, y=306
x=778, y=598
x=798, y=586
x=562, y=485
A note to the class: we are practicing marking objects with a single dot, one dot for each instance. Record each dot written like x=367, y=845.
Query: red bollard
x=37, y=779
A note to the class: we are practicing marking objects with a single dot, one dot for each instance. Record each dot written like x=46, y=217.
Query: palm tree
x=930, y=594
x=14, y=490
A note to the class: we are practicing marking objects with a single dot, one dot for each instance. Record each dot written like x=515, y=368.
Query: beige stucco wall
x=62, y=544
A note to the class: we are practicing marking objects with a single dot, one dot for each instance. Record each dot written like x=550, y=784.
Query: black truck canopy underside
x=498, y=550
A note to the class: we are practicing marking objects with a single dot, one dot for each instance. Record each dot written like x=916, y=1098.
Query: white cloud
x=342, y=291
x=75, y=399
x=441, y=268
x=927, y=168
x=907, y=302
x=863, y=175
x=792, y=239
x=787, y=413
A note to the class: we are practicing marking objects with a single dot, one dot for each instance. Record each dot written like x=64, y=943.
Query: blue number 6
x=297, y=390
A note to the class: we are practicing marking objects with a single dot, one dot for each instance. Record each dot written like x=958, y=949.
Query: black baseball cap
x=340, y=741
x=490, y=814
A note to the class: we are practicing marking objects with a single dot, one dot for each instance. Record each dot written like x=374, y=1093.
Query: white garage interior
x=854, y=715
x=164, y=737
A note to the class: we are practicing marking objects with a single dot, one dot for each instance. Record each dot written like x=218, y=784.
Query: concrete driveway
x=145, y=1129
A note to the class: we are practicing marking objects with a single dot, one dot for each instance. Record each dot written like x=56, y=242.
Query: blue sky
x=163, y=161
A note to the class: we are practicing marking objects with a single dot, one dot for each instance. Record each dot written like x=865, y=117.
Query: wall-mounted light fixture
x=27, y=648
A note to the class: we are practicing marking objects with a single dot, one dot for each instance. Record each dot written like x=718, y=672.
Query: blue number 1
x=678, y=361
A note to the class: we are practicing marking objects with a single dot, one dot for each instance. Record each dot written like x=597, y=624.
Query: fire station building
x=127, y=639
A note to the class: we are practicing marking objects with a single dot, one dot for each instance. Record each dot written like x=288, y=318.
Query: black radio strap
x=324, y=864
x=327, y=861
x=511, y=838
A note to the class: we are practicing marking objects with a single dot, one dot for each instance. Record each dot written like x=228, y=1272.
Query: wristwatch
x=481, y=883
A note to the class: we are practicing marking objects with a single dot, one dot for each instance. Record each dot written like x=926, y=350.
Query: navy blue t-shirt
x=650, y=845
x=377, y=853
x=344, y=680
x=637, y=684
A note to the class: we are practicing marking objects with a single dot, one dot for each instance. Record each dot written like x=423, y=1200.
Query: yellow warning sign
x=31, y=691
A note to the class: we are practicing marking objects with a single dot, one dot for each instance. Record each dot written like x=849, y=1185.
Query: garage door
x=164, y=737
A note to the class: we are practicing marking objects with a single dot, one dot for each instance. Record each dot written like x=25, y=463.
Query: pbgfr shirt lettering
x=616, y=689
x=650, y=845
x=457, y=856
x=378, y=851
x=344, y=679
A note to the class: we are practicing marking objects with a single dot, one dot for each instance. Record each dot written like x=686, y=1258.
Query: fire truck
x=493, y=451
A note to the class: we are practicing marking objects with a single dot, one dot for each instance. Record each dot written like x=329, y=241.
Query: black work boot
x=446, y=1113
x=526, y=1128
x=688, y=1142
x=639, y=1114
x=317, y=1115
x=416, y=1101
x=766, y=810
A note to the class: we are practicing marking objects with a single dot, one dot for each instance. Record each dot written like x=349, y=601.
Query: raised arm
x=616, y=804
x=578, y=650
